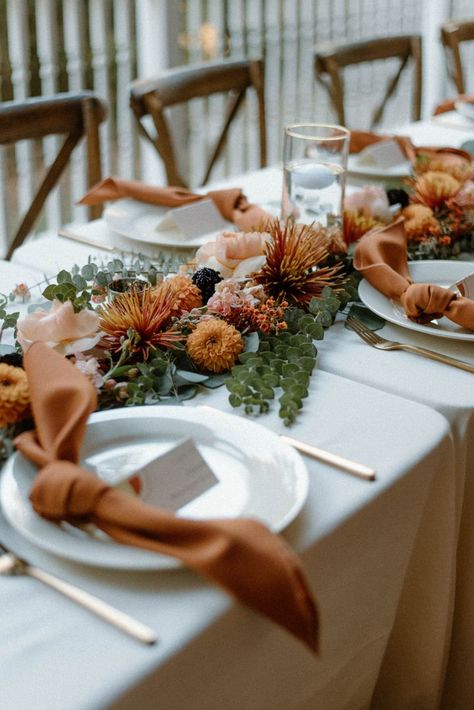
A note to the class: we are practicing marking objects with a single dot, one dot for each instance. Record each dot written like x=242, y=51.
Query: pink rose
x=370, y=201
x=60, y=328
x=234, y=253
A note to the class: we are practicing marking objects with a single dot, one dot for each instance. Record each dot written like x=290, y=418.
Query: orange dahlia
x=434, y=188
x=141, y=318
x=214, y=345
x=14, y=395
x=184, y=294
x=458, y=166
x=420, y=223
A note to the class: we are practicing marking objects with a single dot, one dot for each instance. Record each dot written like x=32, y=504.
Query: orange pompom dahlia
x=214, y=345
x=14, y=395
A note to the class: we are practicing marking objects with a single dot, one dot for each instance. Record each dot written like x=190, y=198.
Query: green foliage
x=162, y=378
x=281, y=367
x=7, y=320
x=83, y=284
x=370, y=319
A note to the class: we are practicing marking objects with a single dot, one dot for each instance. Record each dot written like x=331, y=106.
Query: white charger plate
x=354, y=167
x=259, y=476
x=442, y=273
x=138, y=221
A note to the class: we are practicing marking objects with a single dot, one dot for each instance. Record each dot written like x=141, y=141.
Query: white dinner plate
x=259, y=476
x=442, y=273
x=465, y=108
x=138, y=221
x=354, y=167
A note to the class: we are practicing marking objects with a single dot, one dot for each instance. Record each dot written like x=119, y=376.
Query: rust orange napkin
x=242, y=556
x=362, y=139
x=381, y=257
x=449, y=104
x=231, y=203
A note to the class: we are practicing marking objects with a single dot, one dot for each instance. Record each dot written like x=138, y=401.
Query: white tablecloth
x=361, y=545
x=388, y=561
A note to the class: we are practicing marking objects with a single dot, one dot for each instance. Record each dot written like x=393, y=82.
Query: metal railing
x=48, y=46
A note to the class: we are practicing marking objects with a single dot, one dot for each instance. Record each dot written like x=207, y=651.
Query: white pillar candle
x=313, y=176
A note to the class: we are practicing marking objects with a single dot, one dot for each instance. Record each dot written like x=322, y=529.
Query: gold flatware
x=68, y=234
x=352, y=467
x=376, y=341
x=10, y=564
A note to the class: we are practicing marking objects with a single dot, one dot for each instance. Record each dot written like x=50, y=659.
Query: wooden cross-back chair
x=177, y=86
x=454, y=33
x=331, y=59
x=71, y=115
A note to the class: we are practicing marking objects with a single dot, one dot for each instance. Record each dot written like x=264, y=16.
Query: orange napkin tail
x=241, y=556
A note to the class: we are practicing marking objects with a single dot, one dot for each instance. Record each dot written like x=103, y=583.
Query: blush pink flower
x=60, y=328
x=90, y=367
x=370, y=201
x=234, y=253
x=465, y=196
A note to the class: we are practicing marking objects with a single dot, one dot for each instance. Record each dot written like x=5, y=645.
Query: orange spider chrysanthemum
x=294, y=270
x=214, y=345
x=14, y=395
x=146, y=314
x=184, y=294
x=434, y=188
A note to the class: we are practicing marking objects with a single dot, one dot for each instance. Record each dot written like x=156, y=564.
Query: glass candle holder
x=314, y=173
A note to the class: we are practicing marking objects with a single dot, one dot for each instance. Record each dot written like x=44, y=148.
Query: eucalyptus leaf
x=191, y=376
x=187, y=392
x=371, y=320
x=64, y=277
x=215, y=381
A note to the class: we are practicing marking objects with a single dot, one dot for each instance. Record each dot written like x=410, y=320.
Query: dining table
x=390, y=561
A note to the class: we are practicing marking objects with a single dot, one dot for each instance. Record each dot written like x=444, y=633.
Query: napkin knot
x=423, y=302
x=64, y=491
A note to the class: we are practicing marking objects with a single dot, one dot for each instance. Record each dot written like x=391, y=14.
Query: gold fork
x=376, y=341
x=10, y=564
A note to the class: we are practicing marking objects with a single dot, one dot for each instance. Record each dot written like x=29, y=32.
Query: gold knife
x=356, y=469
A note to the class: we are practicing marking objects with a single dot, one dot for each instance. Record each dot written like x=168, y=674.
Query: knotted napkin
x=231, y=203
x=381, y=257
x=242, y=556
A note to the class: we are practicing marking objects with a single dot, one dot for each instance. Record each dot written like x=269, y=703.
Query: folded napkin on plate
x=242, y=556
x=231, y=203
x=381, y=258
x=449, y=104
x=362, y=139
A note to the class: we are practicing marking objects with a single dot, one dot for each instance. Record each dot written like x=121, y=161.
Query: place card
x=175, y=478
x=466, y=286
x=384, y=154
x=194, y=220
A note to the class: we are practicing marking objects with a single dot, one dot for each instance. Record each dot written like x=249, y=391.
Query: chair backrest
x=330, y=59
x=453, y=33
x=72, y=115
x=151, y=98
